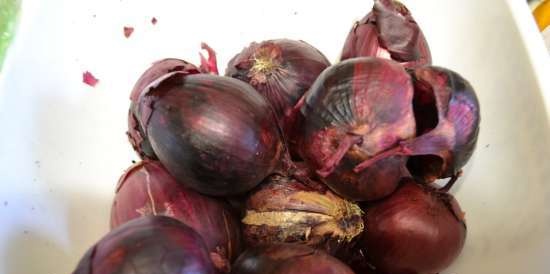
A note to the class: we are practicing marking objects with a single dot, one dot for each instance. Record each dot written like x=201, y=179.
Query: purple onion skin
x=288, y=259
x=389, y=31
x=147, y=189
x=214, y=134
x=355, y=110
x=154, y=244
x=416, y=230
x=135, y=133
x=448, y=117
x=282, y=70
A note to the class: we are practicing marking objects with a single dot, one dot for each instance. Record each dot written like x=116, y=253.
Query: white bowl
x=63, y=144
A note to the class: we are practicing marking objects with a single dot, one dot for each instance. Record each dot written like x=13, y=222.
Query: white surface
x=63, y=147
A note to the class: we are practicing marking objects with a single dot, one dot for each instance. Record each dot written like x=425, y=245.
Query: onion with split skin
x=448, y=117
x=416, y=230
x=283, y=209
x=355, y=110
x=388, y=31
x=147, y=189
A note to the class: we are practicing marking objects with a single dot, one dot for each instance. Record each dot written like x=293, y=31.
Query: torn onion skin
x=282, y=209
x=416, y=230
x=147, y=189
x=448, y=133
x=388, y=31
x=154, y=244
x=288, y=259
x=214, y=134
x=135, y=133
x=282, y=70
x=355, y=110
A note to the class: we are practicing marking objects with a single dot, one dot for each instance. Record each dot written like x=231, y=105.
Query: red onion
x=282, y=70
x=214, y=134
x=448, y=117
x=147, y=189
x=355, y=110
x=389, y=31
x=135, y=133
x=288, y=259
x=416, y=230
x=154, y=244
x=283, y=209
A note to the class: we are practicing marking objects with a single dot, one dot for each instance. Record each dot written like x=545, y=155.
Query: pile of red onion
x=290, y=164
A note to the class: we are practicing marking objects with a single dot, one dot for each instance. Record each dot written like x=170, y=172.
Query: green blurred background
x=9, y=9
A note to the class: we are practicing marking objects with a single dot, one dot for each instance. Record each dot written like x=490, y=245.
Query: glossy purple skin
x=447, y=132
x=135, y=133
x=147, y=189
x=389, y=31
x=292, y=67
x=154, y=244
x=288, y=259
x=416, y=230
x=214, y=134
x=355, y=110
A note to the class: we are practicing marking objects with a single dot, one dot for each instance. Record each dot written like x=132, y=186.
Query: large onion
x=214, y=134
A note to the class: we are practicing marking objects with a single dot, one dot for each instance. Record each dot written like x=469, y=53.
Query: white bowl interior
x=63, y=144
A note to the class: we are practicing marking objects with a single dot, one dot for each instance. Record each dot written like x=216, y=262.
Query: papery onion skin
x=355, y=110
x=147, y=189
x=282, y=70
x=282, y=209
x=388, y=31
x=448, y=133
x=154, y=244
x=416, y=230
x=135, y=133
x=214, y=134
x=288, y=259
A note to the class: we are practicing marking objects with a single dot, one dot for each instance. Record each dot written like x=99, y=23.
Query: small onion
x=214, y=134
x=389, y=31
x=147, y=189
x=283, y=209
x=416, y=230
x=355, y=110
x=282, y=70
x=288, y=259
x=448, y=117
x=154, y=244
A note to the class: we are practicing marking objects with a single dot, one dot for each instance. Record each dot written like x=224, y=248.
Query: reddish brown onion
x=355, y=110
x=154, y=244
x=416, y=230
x=147, y=189
x=388, y=31
x=282, y=70
x=448, y=117
x=214, y=134
x=288, y=259
x=283, y=209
